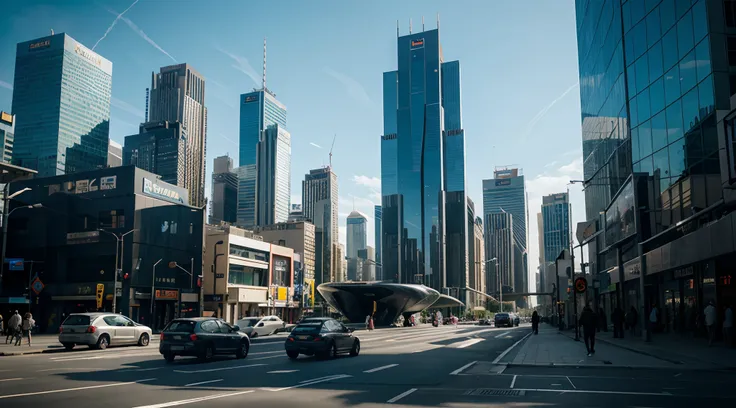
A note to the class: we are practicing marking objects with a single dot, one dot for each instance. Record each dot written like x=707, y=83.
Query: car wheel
x=292, y=354
x=144, y=340
x=208, y=353
x=356, y=348
x=103, y=342
x=169, y=357
x=242, y=350
x=68, y=346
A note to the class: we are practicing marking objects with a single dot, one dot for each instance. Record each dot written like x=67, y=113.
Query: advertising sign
x=82, y=187
x=419, y=43
x=620, y=216
x=108, y=182
x=162, y=294
x=154, y=189
x=6, y=117
x=251, y=98
x=503, y=182
x=309, y=292
x=15, y=264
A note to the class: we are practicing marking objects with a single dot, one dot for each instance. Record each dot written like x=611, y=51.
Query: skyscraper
x=319, y=205
x=422, y=158
x=356, y=240
x=499, y=240
x=61, y=101
x=224, y=205
x=377, y=216
x=556, y=225
x=273, y=182
x=177, y=95
x=506, y=193
x=114, y=154
x=161, y=148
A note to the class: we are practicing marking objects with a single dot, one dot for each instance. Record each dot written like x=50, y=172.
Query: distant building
x=377, y=217
x=296, y=213
x=297, y=235
x=319, y=205
x=114, y=154
x=7, y=132
x=61, y=101
x=357, y=237
x=476, y=278
x=367, y=257
x=499, y=240
x=159, y=147
x=177, y=95
x=224, y=205
x=556, y=225
x=273, y=180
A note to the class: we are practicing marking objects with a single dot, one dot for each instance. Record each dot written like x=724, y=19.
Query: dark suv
x=202, y=337
x=503, y=319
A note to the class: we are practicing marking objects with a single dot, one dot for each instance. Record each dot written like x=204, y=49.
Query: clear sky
x=521, y=103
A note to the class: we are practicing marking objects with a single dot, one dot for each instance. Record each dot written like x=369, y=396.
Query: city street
x=417, y=366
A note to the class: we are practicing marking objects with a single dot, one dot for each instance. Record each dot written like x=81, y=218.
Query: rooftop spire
x=422, y=23
x=264, y=64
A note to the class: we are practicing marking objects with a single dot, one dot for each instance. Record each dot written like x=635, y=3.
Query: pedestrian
x=710, y=321
x=367, y=321
x=631, y=319
x=26, y=327
x=370, y=323
x=589, y=321
x=535, y=322
x=653, y=315
x=617, y=318
x=728, y=326
x=13, y=327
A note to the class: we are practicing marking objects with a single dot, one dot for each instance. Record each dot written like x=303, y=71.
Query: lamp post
x=153, y=294
x=500, y=283
x=118, y=263
x=214, y=274
x=191, y=274
x=6, y=214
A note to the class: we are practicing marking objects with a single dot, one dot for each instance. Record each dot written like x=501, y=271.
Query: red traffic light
x=126, y=275
x=199, y=282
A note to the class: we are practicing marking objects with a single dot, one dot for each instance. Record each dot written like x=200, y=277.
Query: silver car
x=260, y=326
x=99, y=330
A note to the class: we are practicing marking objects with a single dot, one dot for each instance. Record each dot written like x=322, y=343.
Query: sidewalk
x=41, y=343
x=550, y=348
x=676, y=348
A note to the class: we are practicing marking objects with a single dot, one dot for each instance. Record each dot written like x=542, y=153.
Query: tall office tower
x=541, y=285
x=367, y=269
x=224, y=205
x=475, y=270
x=259, y=110
x=499, y=241
x=480, y=261
x=319, y=205
x=7, y=136
x=658, y=144
x=556, y=222
x=114, y=154
x=377, y=216
x=506, y=193
x=273, y=182
x=357, y=240
x=161, y=148
x=61, y=101
x=339, y=266
x=422, y=158
x=177, y=95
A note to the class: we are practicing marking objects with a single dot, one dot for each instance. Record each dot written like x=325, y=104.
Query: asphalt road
x=417, y=366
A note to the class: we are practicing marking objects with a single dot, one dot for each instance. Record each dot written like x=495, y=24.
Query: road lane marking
x=193, y=400
x=502, y=355
x=11, y=379
x=266, y=358
x=573, y=385
x=329, y=377
x=282, y=371
x=373, y=370
x=466, y=343
x=502, y=334
x=90, y=387
x=212, y=370
x=659, y=394
x=147, y=369
x=308, y=382
x=66, y=369
x=400, y=396
x=461, y=369
x=204, y=382
x=513, y=382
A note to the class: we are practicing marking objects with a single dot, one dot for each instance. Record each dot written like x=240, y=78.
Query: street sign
x=100, y=294
x=15, y=264
x=37, y=286
x=581, y=285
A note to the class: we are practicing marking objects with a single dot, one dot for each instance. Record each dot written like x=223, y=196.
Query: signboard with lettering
x=108, y=183
x=15, y=264
x=90, y=56
x=81, y=187
x=503, y=182
x=159, y=191
x=82, y=237
x=39, y=45
x=6, y=117
x=162, y=294
x=251, y=98
x=417, y=43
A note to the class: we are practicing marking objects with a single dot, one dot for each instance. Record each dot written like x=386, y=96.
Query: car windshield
x=308, y=328
x=248, y=322
x=77, y=320
x=181, y=326
x=502, y=315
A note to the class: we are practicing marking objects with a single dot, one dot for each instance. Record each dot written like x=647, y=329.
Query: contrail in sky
x=113, y=24
x=544, y=111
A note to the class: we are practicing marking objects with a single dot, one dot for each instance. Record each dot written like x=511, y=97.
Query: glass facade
x=454, y=135
x=377, y=216
x=273, y=166
x=555, y=225
x=258, y=111
x=61, y=100
x=389, y=142
x=159, y=148
x=357, y=234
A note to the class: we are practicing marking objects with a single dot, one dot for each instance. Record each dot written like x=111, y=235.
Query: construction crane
x=332, y=147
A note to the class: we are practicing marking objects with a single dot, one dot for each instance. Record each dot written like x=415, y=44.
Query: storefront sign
x=15, y=264
x=632, y=270
x=82, y=237
x=108, y=183
x=153, y=189
x=167, y=294
x=683, y=272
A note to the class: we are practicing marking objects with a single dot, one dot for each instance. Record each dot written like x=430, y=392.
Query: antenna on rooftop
x=422, y=23
x=264, y=64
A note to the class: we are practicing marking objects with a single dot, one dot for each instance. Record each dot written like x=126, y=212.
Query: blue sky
x=521, y=103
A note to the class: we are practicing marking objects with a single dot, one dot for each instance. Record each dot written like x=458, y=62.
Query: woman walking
x=26, y=327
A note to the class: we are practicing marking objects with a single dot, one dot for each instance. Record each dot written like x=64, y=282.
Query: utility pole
x=118, y=264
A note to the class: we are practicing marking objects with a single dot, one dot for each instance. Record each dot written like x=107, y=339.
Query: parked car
x=503, y=319
x=202, y=337
x=261, y=326
x=323, y=337
x=484, y=322
x=99, y=330
x=515, y=320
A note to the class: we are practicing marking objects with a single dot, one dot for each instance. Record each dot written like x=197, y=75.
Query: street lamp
x=6, y=214
x=153, y=295
x=191, y=274
x=214, y=273
x=500, y=283
x=118, y=262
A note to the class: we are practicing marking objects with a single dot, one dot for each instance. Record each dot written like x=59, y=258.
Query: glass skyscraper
x=377, y=216
x=258, y=111
x=61, y=101
x=273, y=166
x=422, y=158
x=555, y=225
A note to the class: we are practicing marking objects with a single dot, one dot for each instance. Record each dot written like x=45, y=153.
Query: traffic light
x=100, y=294
x=199, y=281
x=126, y=275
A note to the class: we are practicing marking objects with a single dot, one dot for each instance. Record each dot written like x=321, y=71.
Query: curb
x=612, y=366
x=25, y=353
x=653, y=355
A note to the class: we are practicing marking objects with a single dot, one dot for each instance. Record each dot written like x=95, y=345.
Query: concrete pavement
x=415, y=366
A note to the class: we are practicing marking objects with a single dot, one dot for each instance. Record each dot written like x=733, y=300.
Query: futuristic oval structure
x=355, y=299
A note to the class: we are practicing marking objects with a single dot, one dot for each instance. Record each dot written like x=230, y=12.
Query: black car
x=503, y=319
x=202, y=337
x=323, y=337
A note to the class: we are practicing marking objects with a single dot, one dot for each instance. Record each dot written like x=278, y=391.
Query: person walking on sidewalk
x=710, y=321
x=535, y=322
x=589, y=322
x=728, y=326
x=617, y=318
x=26, y=327
x=653, y=318
x=13, y=327
x=631, y=319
